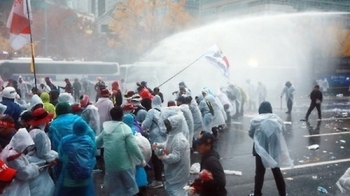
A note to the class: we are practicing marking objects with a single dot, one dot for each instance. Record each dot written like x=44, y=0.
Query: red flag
x=215, y=56
x=18, y=23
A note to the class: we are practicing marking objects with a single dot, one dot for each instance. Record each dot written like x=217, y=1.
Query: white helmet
x=9, y=92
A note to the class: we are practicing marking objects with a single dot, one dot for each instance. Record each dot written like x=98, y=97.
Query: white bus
x=59, y=70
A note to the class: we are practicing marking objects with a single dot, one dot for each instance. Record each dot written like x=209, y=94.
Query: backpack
x=211, y=110
x=80, y=160
x=138, y=109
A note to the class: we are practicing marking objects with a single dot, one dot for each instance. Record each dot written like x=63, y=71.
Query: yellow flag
x=33, y=55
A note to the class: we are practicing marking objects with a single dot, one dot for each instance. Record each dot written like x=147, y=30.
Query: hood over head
x=63, y=108
x=84, y=100
x=129, y=120
x=45, y=97
x=36, y=100
x=80, y=127
x=175, y=124
x=66, y=97
x=115, y=86
x=21, y=140
x=157, y=102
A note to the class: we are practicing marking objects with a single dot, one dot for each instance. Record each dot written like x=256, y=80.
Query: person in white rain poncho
x=218, y=109
x=252, y=96
x=181, y=102
x=14, y=155
x=270, y=149
x=90, y=114
x=196, y=115
x=344, y=182
x=185, y=112
x=175, y=154
x=156, y=134
x=289, y=91
x=228, y=107
x=104, y=105
x=42, y=185
x=35, y=103
x=207, y=113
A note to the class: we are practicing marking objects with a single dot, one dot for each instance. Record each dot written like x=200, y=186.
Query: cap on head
x=143, y=83
x=205, y=138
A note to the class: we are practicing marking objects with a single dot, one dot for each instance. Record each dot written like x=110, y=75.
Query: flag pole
x=181, y=70
x=32, y=65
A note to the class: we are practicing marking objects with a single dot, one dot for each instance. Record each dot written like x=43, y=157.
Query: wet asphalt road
x=313, y=168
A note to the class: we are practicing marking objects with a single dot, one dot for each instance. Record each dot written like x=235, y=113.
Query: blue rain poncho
x=177, y=161
x=267, y=132
x=25, y=171
x=43, y=184
x=119, y=145
x=70, y=143
x=207, y=117
x=153, y=122
x=145, y=147
x=62, y=126
x=197, y=118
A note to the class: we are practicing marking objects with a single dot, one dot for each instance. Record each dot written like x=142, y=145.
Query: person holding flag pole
x=19, y=24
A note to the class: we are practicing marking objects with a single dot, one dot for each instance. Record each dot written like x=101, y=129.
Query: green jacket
x=45, y=97
x=120, y=146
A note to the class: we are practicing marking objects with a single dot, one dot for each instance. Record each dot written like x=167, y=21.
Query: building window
x=104, y=28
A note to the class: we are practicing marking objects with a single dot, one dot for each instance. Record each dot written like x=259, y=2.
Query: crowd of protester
x=54, y=141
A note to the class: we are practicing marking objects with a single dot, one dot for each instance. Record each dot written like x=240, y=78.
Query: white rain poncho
x=176, y=110
x=207, y=117
x=43, y=184
x=219, y=113
x=92, y=118
x=185, y=109
x=153, y=122
x=177, y=160
x=66, y=97
x=234, y=94
x=104, y=105
x=225, y=101
x=197, y=118
x=25, y=171
x=344, y=182
x=36, y=100
x=267, y=132
x=289, y=93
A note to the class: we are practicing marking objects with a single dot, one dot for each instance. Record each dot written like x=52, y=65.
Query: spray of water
x=270, y=49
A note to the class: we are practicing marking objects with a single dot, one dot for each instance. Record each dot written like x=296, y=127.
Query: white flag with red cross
x=215, y=56
x=19, y=24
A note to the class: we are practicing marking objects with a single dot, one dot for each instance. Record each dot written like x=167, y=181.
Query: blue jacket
x=13, y=109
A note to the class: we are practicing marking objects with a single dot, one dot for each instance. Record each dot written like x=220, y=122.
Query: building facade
x=216, y=9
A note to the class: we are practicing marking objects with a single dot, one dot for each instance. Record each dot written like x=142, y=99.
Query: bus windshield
x=59, y=70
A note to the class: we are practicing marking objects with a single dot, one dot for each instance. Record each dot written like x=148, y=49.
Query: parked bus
x=59, y=70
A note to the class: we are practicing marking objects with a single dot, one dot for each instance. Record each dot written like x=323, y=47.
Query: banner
x=18, y=23
x=215, y=56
